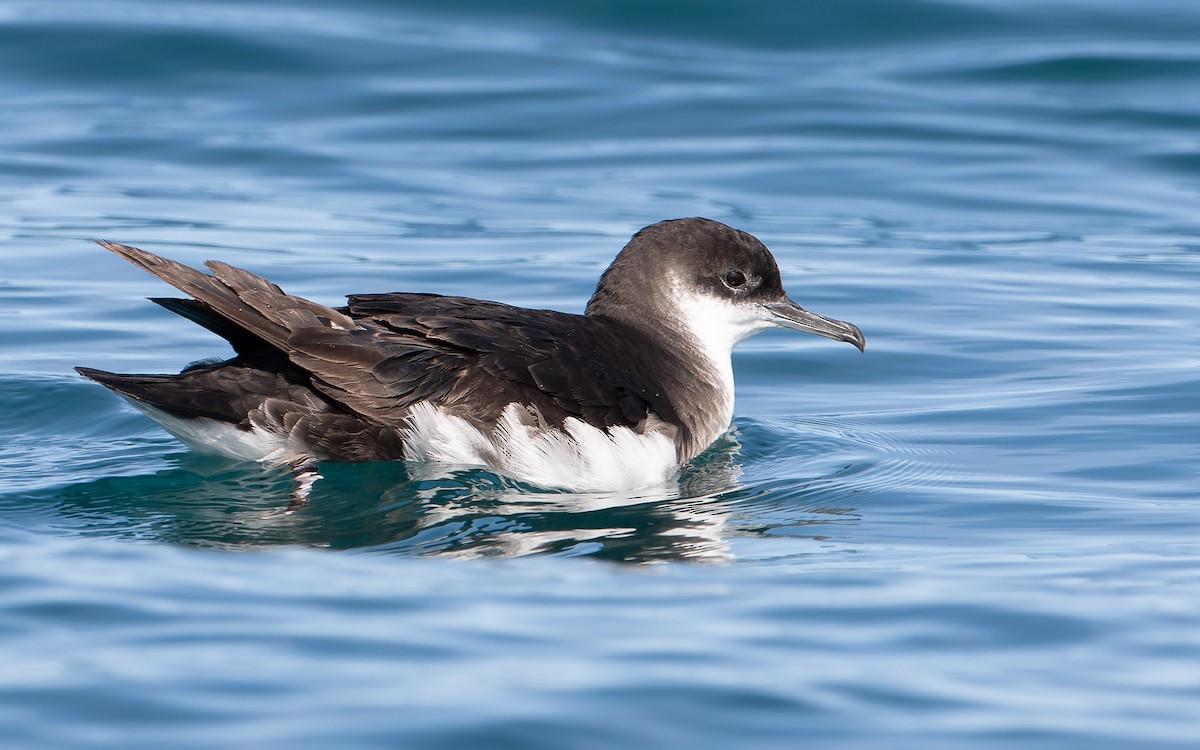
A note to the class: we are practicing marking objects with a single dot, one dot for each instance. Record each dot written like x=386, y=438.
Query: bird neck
x=693, y=346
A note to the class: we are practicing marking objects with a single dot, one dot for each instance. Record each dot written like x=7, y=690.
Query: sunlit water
x=983, y=532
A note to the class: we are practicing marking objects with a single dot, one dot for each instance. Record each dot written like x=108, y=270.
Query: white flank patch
x=214, y=437
x=578, y=457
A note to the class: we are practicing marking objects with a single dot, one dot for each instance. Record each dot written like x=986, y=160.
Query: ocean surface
x=982, y=533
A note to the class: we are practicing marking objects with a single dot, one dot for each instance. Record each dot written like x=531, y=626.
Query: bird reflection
x=416, y=510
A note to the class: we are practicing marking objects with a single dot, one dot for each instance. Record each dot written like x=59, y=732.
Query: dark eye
x=735, y=279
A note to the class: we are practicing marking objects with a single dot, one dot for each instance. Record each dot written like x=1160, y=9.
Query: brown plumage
x=343, y=383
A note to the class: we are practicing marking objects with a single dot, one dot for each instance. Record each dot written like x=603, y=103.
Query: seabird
x=614, y=399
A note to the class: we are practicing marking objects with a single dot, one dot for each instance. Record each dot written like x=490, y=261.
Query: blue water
x=982, y=533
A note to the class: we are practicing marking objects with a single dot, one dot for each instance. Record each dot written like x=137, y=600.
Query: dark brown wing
x=383, y=353
x=564, y=365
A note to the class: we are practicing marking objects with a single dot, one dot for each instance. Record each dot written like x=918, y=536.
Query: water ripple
x=979, y=533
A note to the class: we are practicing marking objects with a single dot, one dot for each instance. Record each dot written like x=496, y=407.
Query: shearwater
x=615, y=399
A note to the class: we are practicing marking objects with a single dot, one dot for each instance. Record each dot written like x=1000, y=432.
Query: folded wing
x=383, y=353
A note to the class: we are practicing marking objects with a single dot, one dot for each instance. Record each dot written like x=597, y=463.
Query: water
x=981, y=533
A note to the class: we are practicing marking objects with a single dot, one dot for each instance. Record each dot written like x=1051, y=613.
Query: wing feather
x=385, y=352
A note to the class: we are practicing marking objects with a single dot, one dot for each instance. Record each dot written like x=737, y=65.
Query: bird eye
x=735, y=279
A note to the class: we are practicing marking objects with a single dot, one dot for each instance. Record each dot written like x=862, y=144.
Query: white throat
x=716, y=326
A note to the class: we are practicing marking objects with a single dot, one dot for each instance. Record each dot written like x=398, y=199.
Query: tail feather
x=109, y=379
x=223, y=393
x=272, y=331
x=239, y=338
x=160, y=391
x=246, y=300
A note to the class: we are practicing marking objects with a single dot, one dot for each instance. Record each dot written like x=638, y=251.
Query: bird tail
x=234, y=303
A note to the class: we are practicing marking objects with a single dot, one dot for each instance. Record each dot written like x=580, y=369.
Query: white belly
x=577, y=457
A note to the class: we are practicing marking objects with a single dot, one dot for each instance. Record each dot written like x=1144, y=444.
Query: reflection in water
x=418, y=510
